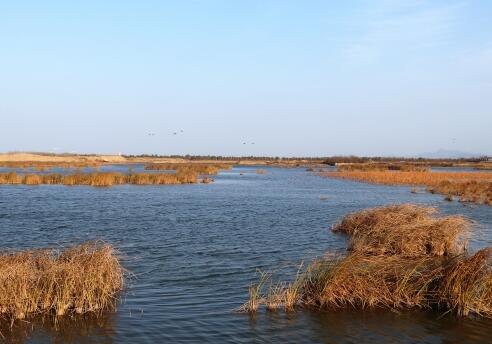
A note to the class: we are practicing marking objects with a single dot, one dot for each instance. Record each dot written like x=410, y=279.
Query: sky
x=280, y=78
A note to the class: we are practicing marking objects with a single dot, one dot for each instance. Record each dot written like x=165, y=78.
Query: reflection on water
x=370, y=326
x=48, y=329
x=194, y=250
x=406, y=327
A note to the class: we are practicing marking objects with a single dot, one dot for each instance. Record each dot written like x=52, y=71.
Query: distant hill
x=448, y=154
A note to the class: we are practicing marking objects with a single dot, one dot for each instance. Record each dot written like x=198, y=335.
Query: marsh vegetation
x=198, y=168
x=195, y=230
x=399, y=257
x=79, y=279
x=101, y=178
x=473, y=187
x=383, y=166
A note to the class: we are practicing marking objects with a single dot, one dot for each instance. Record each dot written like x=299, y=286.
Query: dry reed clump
x=362, y=281
x=410, y=178
x=10, y=178
x=468, y=186
x=357, y=281
x=197, y=168
x=467, y=285
x=32, y=179
x=80, y=279
x=483, y=166
x=402, y=257
x=408, y=230
x=379, y=166
x=207, y=180
x=101, y=178
x=467, y=191
x=274, y=295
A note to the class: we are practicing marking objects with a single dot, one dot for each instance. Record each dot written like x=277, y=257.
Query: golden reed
x=467, y=186
x=79, y=279
x=399, y=257
x=101, y=178
x=199, y=168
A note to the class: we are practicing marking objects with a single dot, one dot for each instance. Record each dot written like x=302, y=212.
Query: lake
x=193, y=250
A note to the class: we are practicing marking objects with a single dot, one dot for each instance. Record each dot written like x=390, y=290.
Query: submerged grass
x=399, y=257
x=100, y=178
x=467, y=186
x=255, y=293
x=77, y=280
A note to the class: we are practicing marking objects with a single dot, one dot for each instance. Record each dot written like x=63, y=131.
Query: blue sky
x=373, y=77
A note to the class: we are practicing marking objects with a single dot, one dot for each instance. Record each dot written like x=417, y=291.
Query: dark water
x=194, y=250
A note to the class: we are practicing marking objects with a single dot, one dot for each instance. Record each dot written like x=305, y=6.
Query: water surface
x=194, y=250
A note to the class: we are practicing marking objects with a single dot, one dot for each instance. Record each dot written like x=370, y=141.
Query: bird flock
x=174, y=133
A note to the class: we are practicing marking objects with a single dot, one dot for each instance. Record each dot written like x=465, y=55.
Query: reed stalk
x=80, y=279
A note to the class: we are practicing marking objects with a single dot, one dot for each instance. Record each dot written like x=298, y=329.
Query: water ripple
x=194, y=250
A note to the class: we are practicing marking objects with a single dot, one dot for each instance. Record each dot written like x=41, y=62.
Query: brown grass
x=101, y=178
x=402, y=257
x=255, y=297
x=382, y=166
x=32, y=179
x=207, y=180
x=467, y=286
x=80, y=279
x=467, y=191
x=198, y=168
x=482, y=166
x=407, y=230
x=371, y=281
x=467, y=186
x=356, y=281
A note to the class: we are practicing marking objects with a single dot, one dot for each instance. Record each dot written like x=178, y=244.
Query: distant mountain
x=448, y=154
